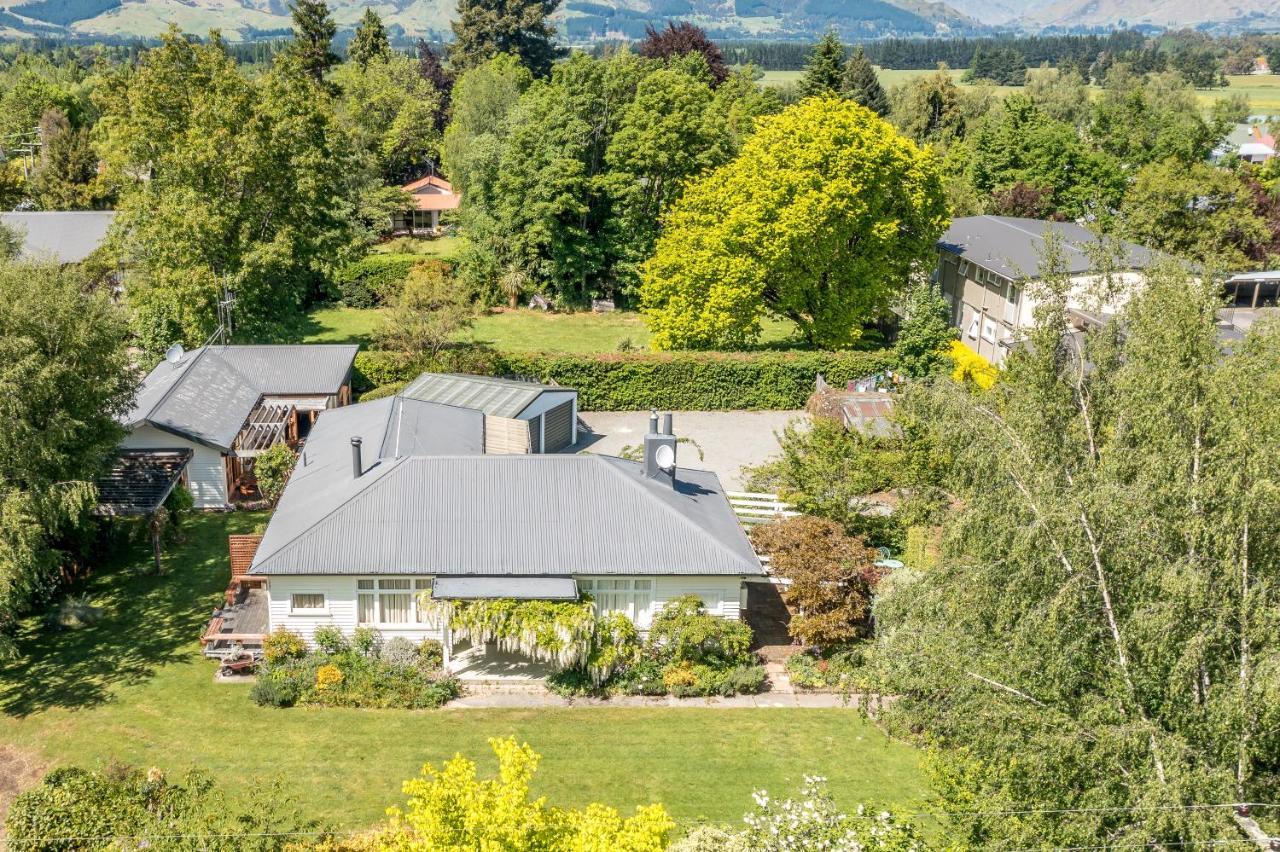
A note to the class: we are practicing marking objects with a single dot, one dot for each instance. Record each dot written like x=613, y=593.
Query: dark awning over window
x=520, y=588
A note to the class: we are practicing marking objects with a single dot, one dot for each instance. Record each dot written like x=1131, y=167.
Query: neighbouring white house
x=393, y=507
x=228, y=404
x=988, y=266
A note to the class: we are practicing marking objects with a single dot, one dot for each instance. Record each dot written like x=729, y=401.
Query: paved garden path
x=505, y=698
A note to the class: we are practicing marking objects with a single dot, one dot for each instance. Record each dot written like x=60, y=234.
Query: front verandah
x=487, y=663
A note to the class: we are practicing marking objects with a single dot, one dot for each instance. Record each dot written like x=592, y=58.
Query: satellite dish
x=174, y=354
x=665, y=457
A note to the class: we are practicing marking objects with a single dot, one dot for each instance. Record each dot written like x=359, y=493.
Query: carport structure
x=137, y=484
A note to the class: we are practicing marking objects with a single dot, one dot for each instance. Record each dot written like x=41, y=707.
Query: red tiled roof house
x=431, y=196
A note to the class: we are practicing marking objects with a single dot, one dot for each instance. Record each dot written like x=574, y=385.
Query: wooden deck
x=244, y=622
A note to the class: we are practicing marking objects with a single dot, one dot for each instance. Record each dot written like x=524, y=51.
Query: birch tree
x=1096, y=656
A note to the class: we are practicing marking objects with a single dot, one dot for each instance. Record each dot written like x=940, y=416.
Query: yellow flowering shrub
x=453, y=808
x=327, y=676
x=970, y=366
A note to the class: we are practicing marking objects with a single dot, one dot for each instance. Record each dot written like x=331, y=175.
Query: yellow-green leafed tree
x=452, y=808
x=819, y=219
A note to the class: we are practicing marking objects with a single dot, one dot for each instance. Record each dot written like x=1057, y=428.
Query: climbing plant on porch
x=566, y=634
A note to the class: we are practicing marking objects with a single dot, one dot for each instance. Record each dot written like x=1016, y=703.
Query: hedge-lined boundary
x=683, y=381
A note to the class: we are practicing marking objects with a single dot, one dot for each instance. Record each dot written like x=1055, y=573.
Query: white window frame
x=975, y=322
x=1011, y=304
x=419, y=616
x=631, y=594
x=323, y=609
x=989, y=329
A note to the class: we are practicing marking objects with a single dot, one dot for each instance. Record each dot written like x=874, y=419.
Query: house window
x=632, y=598
x=306, y=602
x=973, y=325
x=1011, y=304
x=394, y=601
x=989, y=329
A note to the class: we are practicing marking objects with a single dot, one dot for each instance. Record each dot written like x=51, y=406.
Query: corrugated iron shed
x=493, y=396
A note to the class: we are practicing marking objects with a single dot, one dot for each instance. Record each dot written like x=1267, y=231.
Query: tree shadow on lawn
x=149, y=621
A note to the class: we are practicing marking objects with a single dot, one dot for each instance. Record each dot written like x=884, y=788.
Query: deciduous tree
x=925, y=333
x=684, y=39
x=831, y=576
x=1097, y=651
x=848, y=209
x=65, y=378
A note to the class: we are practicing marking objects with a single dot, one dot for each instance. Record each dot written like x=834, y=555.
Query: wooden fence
x=756, y=508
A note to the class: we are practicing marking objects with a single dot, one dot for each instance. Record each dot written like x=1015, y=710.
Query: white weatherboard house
x=227, y=404
x=394, y=505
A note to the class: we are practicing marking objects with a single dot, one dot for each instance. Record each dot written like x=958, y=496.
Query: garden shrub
x=276, y=687
x=329, y=639
x=688, y=653
x=453, y=807
x=681, y=381
x=431, y=654
x=363, y=673
x=840, y=669
x=374, y=279
x=398, y=652
x=688, y=633
x=366, y=641
x=75, y=809
x=282, y=644
x=272, y=470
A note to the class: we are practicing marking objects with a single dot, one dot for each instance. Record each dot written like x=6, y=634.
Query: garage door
x=558, y=428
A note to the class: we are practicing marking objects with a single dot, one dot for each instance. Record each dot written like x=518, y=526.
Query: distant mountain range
x=579, y=20
x=590, y=20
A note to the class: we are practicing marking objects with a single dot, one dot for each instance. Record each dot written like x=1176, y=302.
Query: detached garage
x=519, y=416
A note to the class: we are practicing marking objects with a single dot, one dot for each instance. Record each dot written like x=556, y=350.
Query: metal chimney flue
x=666, y=424
x=357, y=467
x=653, y=421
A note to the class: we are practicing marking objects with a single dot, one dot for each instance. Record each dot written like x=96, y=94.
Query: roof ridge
x=164, y=397
x=637, y=484
x=392, y=466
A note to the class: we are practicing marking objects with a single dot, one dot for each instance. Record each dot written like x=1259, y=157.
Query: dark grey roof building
x=62, y=236
x=207, y=394
x=1013, y=247
x=228, y=404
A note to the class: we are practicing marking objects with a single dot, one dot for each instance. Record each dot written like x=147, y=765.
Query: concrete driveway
x=729, y=439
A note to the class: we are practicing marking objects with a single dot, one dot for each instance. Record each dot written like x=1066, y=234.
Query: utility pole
x=1254, y=831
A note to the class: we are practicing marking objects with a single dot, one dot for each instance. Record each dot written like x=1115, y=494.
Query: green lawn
x=1263, y=91
x=435, y=246
x=135, y=688
x=523, y=330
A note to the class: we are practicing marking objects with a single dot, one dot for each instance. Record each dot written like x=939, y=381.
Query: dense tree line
x=1035, y=50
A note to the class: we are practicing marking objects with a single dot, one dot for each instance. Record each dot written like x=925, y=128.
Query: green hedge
x=683, y=381
x=376, y=278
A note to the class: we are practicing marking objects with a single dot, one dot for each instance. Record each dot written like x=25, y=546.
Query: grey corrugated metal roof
x=491, y=515
x=417, y=428
x=65, y=236
x=1012, y=247
x=495, y=397
x=210, y=393
x=519, y=588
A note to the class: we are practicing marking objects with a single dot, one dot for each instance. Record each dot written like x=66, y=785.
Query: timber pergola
x=270, y=423
x=138, y=483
